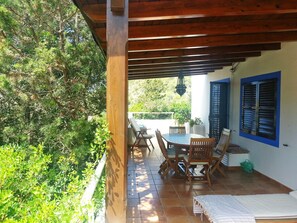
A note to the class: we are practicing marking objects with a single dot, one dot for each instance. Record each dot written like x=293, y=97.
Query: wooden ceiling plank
x=221, y=40
x=96, y=12
x=160, y=75
x=200, y=26
x=201, y=57
x=204, y=8
x=163, y=75
x=199, y=62
x=155, y=10
x=179, y=67
x=212, y=28
x=209, y=64
x=175, y=70
x=196, y=58
x=204, y=50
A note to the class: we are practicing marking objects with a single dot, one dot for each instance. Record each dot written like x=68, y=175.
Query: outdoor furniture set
x=188, y=152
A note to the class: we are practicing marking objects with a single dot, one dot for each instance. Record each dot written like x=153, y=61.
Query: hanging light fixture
x=180, y=87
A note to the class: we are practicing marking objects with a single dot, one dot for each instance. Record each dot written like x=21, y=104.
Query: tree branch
x=10, y=44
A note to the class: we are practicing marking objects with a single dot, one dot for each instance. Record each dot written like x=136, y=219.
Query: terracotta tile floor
x=152, y=198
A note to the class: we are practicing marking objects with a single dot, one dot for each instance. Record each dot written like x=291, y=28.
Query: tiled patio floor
x=152, y=198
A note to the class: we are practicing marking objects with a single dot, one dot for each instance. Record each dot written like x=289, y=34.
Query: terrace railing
x=151, y=115
x=89, y=192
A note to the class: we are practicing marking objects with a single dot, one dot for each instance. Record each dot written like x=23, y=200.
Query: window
x=260, y=108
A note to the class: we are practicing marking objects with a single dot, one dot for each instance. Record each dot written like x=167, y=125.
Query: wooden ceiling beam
x=206, y=62
x=162, y=75
x=200, y=69
x=213, y=26
x=179, y=66
x=155, y=10
x=221, y=40
x=218, y=27
x=204, y=50
x=195, y=58
x=166, y=36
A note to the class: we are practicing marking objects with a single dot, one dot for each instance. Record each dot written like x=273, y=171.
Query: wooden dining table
x=180, y=140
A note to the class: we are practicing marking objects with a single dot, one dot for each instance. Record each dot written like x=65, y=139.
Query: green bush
x=25, y=192
x=182, y=112
x=34, y=187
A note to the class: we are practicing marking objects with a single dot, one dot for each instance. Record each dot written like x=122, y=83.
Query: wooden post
x=117, y=6
x=117, y=88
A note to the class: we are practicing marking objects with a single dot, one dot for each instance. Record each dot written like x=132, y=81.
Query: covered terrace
x=154, y=39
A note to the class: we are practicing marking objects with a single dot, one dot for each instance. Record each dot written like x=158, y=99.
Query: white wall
x=200, y=88
x=277, y=163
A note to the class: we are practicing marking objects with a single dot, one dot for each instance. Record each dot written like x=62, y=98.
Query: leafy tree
x=25, y=192
x=35, y=187
x=146, y=93
x=182, y=112
x=158, y=95
x=52, y=75
x=52, y=79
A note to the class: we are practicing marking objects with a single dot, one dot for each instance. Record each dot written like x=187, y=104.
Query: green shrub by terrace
x=182, y=112
x=36, y=188
x=25, y=192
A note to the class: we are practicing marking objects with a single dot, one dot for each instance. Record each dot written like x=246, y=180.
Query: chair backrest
x=177, y=130
x=161, y=143
x=135, y=126
x=201, y=149
x=223, y=143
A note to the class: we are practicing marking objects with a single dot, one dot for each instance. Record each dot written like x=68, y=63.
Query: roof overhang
x=198, y=37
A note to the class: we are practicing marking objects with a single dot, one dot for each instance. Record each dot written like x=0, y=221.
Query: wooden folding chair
x=140, y=134
x=220, y=151
x=200, y=154
x=170, y=155
x=177, y=130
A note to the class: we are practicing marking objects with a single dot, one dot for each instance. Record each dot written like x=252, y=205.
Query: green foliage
x=182, y=112
x=158, y=95
x=102, y=135
x=196, y=121
x=99, y=195
x=52, y=78
x=25, y=192
x=52, y=75
x=36, y=188
x=147, y=95
x=151, y=115
x=71, y=139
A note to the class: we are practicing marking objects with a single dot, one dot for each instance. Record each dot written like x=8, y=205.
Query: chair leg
x=166, y=171
x=135, y=143
x=147, y=144
x=207, y=173
x=163, y=166
x=188, y=174
x=152, y=144
x=216, y=166
x=221, y=171
x=202, y=170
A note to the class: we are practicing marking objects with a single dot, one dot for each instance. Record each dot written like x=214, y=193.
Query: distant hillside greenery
x=158, y=95
x=52, y=80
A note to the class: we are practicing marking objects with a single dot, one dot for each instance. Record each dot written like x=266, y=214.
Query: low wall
x=153, y=124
